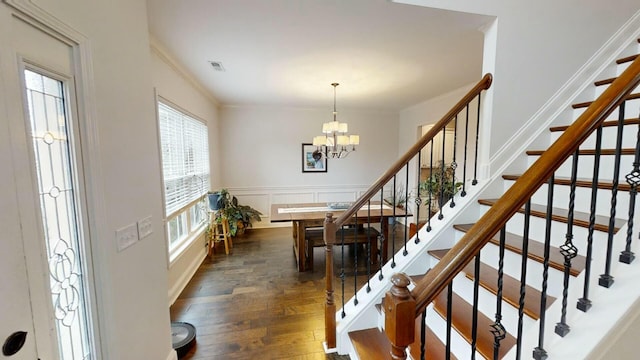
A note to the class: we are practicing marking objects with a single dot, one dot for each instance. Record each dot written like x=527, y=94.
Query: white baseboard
x=172, y=355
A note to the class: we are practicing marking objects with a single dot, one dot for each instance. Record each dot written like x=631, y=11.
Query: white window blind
x=185, y=158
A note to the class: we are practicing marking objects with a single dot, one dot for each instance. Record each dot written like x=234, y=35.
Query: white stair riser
x=459, y=346
x=609, y=137
x=558, y=232
x=631, y=110
x=582, y=199
x=487, y=304
x=586, y=164
x=513, y=264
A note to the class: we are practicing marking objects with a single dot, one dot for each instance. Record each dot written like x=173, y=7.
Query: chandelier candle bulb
x=320, y=140
x=335, y=141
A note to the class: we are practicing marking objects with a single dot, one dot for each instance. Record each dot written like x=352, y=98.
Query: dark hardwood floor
x=254, y=304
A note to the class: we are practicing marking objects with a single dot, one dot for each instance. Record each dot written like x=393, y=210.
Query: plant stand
x=219, y=232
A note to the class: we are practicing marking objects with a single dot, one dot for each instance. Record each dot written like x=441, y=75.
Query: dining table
x=305, y=216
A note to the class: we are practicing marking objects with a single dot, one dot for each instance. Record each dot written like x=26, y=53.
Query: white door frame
x=93, y=203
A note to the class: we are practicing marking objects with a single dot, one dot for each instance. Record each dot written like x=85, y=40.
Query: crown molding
x=159, y=49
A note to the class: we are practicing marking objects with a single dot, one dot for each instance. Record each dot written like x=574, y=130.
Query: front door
x=44, y=307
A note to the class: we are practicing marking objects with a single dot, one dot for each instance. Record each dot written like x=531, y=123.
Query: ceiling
x=288, y=52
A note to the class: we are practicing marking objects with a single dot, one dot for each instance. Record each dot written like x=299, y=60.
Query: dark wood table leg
x=300, y=246
x=384, y=229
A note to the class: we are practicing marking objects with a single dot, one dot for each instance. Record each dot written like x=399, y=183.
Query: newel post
x=330, y=306
x=399, y=315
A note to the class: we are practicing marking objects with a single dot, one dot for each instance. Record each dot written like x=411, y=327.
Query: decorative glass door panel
x=52, y=143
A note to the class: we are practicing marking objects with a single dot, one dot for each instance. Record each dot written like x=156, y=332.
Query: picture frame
x=311, y=164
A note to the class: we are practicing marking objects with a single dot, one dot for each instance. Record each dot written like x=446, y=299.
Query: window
x=185, y=171
x=52, y=141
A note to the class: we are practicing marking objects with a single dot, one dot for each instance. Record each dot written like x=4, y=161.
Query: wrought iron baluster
x=454, y=163
x=393, y=226
x=568, y=250
x=423, y=331
x=474, y=318
x=430, y=188
x=523, y=275
x=406, y=210
x=381, y=239
x=584, y=304
x=539, y=353
x=369, y=259
x=441, y=198
x=452, y=201
x=342, y=264
x=606, y=279
x=449, y=325
x=497, y=329
x=418, y=200
x=355, y=260
x=633, y=179
x=464, y=162
x=475, y=160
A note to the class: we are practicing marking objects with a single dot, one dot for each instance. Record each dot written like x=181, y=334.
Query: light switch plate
x=126, y=236
x=144, y=227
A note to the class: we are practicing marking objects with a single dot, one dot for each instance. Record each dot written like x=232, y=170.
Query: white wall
x=261, y=154
x=539, y=45
x=132, y=285
x=424, y=113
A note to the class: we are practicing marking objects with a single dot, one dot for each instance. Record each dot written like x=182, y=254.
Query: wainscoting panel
x=258, y=201
x=294, y=197
x=337, y=196
x=261, y=198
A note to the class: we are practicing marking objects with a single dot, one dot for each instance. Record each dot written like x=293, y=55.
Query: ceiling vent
x=217, y=65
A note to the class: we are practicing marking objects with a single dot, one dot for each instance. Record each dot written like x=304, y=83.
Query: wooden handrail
x=331, y=225
x=483, y=84
x=496, y=217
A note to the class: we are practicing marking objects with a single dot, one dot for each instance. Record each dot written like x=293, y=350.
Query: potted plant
x=441, y=184
x=240, y=217
x=214, y=198
x=400, y=198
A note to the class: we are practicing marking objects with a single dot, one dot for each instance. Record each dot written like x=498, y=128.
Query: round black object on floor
x=183, y=336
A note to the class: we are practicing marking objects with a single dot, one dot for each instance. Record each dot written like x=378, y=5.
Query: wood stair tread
x=434, y=348
x=416, y=278
x=604, y=124
x=587, y=103
x=372, y=344
x=626, y=151
x=585, y=183
x=462, y=322
x=510, y=286
x=619, y=62
x=627, y=59
x=579, y=218
x=513, y=243
x=604, y=81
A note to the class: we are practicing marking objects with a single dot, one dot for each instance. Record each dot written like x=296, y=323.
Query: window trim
x=182, y=244
x=175, y=251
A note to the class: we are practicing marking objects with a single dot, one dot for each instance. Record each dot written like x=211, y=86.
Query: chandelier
x=334, y=141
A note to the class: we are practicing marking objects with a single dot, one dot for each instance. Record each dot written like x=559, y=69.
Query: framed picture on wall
x=313, y=160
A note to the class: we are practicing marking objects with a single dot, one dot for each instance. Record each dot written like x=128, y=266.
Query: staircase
x=542, y=271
